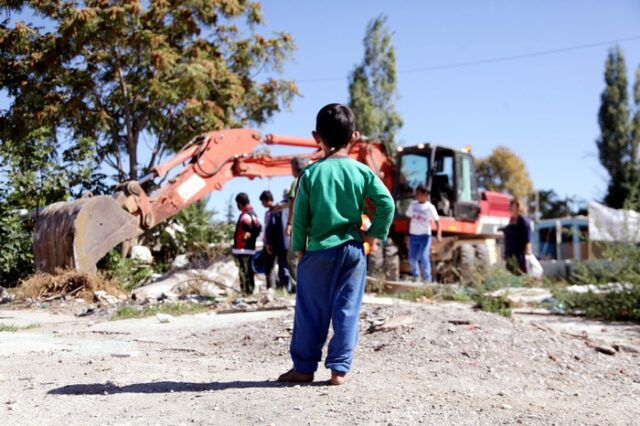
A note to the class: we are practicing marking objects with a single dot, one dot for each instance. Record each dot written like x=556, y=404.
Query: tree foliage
x=90, y=81
x=617, y=146
x=373, y=86
x=504, y=171
x=110, y=74
x=551, y=205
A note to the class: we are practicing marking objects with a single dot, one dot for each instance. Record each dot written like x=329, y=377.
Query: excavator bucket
x=77, y=234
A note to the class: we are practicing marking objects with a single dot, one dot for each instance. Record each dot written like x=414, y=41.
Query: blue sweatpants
x=330, y=289
x=419, y=248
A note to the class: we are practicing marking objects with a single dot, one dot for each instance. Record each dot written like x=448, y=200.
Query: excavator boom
x=77, y=234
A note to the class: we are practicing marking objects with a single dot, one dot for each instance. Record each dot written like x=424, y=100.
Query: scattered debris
x=390, y=323
x=5, y=296
x=219, y=279
x=600, y=289
x=459, y=322
x=602, y=348
x=522, y=295
x=106, y=298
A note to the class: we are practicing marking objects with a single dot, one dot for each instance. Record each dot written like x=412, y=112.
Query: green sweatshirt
x=330, y=202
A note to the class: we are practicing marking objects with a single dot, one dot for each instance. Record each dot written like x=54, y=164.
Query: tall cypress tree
x=617, y=152
x=635, y=124
x=373, y=86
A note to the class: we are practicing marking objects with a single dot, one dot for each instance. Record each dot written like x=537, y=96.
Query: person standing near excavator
x=276, y=243
x=248, y=228
x=297, y=166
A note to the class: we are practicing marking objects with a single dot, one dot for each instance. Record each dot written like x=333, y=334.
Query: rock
x=180, y=261
x=86, y=311
x=142, y=254
x=164, y=318
x=391, y=323
x=605, y=349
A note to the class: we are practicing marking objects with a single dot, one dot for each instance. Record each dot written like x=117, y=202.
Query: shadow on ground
x=168, y=387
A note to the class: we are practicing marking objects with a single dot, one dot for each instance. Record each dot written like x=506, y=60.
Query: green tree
x=616, y=146
x=110, y=74
x=90, y=81
x=503, y=171
x=635, y=124
x=373, y=86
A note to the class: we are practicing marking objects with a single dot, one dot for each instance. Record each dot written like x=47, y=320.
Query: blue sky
x=544, y=107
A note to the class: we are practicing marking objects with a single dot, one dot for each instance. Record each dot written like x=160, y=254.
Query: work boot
x=293, y=376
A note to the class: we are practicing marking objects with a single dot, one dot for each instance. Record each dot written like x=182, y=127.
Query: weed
x=12, y=328
x=175, y=309
x=498, y=305
x=415, y=294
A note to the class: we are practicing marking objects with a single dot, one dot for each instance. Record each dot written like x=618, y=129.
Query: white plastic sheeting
x=607, y=224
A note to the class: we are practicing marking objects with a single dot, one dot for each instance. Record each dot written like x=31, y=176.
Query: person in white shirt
x=421, y=212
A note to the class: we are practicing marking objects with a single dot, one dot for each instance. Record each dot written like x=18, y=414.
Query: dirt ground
x=444, y=364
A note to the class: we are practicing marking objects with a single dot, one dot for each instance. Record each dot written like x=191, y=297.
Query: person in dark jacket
x=276, y=243
x=517, y=239
x=248, y=228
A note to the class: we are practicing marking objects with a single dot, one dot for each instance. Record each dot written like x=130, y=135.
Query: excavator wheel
x=465, y=264
x=76, y=234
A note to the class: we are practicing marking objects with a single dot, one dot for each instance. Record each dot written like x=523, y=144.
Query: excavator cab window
x=414, y=169
x=442, y=183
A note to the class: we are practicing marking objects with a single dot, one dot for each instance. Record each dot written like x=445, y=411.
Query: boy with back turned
x=327, y=238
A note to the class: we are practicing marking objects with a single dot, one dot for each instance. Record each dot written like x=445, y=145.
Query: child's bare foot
x=338, y=378
x=294, y=376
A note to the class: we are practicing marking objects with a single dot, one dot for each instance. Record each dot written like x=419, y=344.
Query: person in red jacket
x=248, y=228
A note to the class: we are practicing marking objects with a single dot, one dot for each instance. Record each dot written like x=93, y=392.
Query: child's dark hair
x=335, y=123
x=242, y=199
x=266, y=196
x=422, y=189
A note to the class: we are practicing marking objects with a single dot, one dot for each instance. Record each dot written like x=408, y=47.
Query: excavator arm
x=76, y=234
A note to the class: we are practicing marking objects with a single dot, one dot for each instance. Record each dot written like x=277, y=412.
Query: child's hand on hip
x=372, y=241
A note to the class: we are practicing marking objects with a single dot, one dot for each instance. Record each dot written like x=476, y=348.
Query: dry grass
x=66, y=283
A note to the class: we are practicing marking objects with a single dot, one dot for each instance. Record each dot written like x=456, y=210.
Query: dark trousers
x=243, y=261
x=330, y=290
x=270, y=260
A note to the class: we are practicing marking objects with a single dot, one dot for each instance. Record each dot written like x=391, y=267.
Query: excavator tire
x=466, y=262
x=76, y=234
x=391, y=261
x=483, y=260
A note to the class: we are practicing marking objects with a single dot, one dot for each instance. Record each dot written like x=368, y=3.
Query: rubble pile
x=69, y=284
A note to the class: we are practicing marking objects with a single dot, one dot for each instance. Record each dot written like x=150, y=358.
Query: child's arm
x=436, y=218
x=383, y=202
x=438, y=230
x=300, y=228
x=409, y=211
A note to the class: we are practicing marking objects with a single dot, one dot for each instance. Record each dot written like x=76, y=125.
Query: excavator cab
x=448, y=173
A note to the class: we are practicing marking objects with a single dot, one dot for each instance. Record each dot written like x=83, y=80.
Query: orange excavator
x=77, y=234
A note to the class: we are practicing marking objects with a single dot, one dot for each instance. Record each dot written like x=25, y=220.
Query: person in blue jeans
x=326, y=236
x=421, y=212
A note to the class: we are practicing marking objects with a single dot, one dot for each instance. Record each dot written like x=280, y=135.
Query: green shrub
x=127, y=273
x=16, y=250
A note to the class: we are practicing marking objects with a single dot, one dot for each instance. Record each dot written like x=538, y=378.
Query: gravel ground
x=444, y=364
